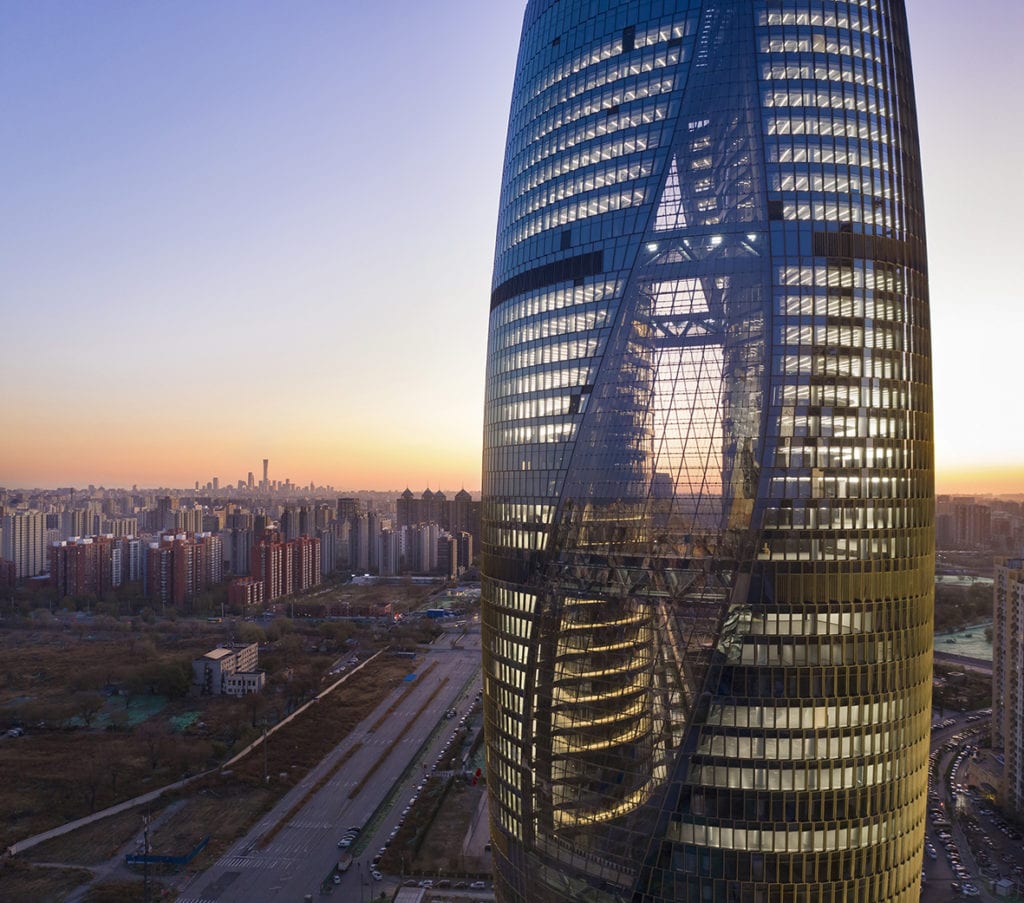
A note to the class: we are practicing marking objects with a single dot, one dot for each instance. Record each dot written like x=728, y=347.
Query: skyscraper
x=23, y=541
x=1008, y=680
x=708, y=492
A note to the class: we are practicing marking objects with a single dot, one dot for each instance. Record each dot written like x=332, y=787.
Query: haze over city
x=249, y=231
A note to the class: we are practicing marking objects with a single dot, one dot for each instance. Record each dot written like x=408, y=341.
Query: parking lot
x=968, y=844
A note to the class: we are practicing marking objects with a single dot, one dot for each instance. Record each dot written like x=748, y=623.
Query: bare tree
x=154, y=739
x=87, y=705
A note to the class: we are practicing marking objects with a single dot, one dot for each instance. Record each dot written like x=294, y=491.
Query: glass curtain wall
x=708, y=492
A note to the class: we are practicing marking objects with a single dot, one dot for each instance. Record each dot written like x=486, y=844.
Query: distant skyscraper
x=24, y=542
x=266, y=481
x=707, y=508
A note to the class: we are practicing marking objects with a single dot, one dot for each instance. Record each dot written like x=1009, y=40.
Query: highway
x=374, y=770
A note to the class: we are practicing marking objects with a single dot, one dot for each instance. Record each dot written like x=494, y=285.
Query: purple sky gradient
x=239, y=230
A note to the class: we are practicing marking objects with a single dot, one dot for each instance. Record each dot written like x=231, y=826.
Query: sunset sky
x=239, y=230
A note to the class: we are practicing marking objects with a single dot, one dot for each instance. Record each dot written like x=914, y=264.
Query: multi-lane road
x=366, y=781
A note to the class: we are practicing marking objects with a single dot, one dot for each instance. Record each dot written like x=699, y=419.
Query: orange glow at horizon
x=982, y=479
x=397, y=460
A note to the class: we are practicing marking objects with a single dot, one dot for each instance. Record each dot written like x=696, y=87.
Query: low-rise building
x=229, y=670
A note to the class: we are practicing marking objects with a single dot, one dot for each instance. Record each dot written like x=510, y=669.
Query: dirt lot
x=224, y=806
x=106, y=714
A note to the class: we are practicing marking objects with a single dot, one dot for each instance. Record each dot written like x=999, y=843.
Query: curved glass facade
x=708, y=491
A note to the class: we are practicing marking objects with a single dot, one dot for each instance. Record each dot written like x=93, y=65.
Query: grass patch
x=224, y=809
x=94, y=844
x=23, y=882
x=121, y=892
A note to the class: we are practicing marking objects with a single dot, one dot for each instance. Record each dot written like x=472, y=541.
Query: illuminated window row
x=786, y=776
x=835, y=364
x=856, y=650
x=605, y=51
x=821, y=623
x=602, y=202
x=830, y=18
x=871, y=743
x=811, y=716
x=815, y=43
x=867, y=183
x=547, y=327
x=582, y=182
x=823, y=99
x=580, y=718
x=516, y=600
x=839, y=153
x=534, y=408
x=554, y=299
x=886, y=337
x=521, y=514
x=598, y=102
x=834, y=517
x=506, y=768
x=548, y=352
x=536, y=484
x=832, y=210
x=840, y=487
x=827, y=661
x=842, y=396
x=543, y=460
x=816, y=454
x=614, y=69
x=540, y=381
x=574, y=160
x=509, y=625
x=508, y=676
x=574, y=643
x=506, y=699
x=869, y=548
x=830, y=840
x=509, y=649
x=861, y=426
x=510, y=810
x=509, y=724
x=848, y=126
x=645, y=113
x=569, y=745
x=855, y=304
x=572, y=693
x=820, y=71
x=530, y=540
x=859, y=276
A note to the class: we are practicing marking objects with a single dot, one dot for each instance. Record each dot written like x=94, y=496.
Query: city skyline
x=227, y=250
